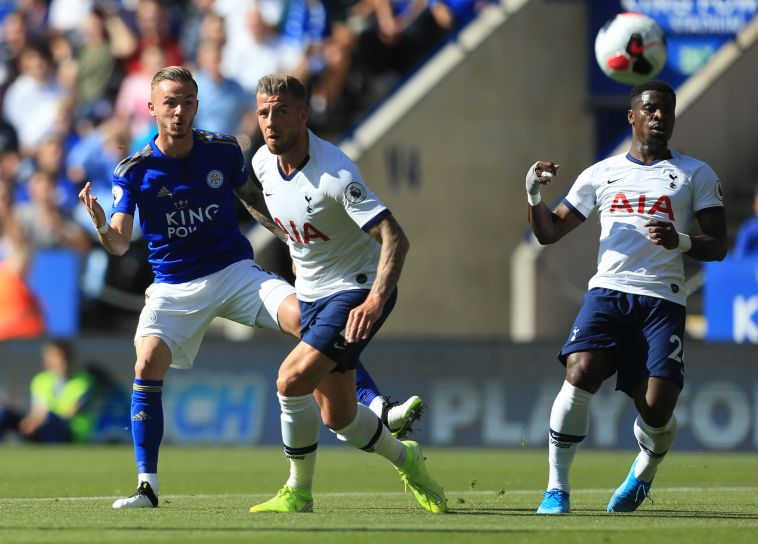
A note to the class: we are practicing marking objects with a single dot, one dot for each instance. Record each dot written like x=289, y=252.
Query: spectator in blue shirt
x=93, y=159
x=227, y=107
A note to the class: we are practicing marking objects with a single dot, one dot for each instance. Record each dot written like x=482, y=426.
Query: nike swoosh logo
x=340, y=344
x=437, y=499
x=268, y=194
x=613, y=180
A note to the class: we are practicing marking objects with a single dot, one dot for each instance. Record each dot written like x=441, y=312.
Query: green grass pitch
x=64, y=495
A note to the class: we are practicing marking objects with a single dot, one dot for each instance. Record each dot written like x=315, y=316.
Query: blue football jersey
x=186, y=206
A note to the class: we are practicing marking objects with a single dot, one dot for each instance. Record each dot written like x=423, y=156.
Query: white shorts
x=180, y=313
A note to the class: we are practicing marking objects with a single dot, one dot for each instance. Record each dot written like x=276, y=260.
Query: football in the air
x=631, y=48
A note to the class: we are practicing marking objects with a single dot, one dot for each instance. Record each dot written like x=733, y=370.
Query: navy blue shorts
x=646, y=334
x=322, y=326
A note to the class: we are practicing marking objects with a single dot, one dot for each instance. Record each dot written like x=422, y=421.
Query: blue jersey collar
x=295, y=171
x=161, y=154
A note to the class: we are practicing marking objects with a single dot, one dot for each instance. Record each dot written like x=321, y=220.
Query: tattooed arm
x=395, y=246
x=252, y=198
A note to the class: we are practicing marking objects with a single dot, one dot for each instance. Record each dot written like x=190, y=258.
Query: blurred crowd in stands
x=75, y=81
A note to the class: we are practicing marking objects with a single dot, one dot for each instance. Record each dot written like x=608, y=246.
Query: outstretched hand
x=95, y=210
x=662, y=233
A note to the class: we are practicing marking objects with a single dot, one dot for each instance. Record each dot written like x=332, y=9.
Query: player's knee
x=586, y=376
x=292, y=384
x=656, y=420
x=337, y=415
x=655, y=412
x=284, y=385
x=149, y=369
x=656, y=402
x=656, y=415
x=333, y=419
x=153, y=359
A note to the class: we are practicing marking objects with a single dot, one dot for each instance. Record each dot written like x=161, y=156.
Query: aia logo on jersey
x=662, y=205
x=303, y=235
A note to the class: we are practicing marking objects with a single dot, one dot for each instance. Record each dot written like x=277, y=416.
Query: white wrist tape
x=685, y=242
x=534, y=200
x=532, y=179
x=103, y=228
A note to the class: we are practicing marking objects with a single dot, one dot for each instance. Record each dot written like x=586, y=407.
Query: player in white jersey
x=348, y=252
x=184, y=183
x=330, y=255
x=632, y=320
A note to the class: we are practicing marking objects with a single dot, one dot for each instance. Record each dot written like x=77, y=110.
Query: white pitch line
x=478, y=492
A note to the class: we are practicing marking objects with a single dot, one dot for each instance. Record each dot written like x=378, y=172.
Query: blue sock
x=147, y=423
x=365, y=388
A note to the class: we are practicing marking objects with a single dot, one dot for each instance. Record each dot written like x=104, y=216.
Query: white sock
x=396, y=416
x=654, y=444
x=301, y=423
x=368, y=433
x=376, y=406
x=149, y=477
x=569, y=423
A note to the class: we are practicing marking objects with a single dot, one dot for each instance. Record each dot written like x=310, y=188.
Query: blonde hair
x=172, y=73
x=273, y=84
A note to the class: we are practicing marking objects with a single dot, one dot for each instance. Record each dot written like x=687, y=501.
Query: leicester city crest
x=215, y=179
x=355, y=192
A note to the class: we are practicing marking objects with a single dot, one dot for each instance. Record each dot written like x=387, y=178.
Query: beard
x=657, y=142
x=280, y=146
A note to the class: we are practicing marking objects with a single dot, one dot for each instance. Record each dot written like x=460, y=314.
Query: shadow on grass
x=695, y=514
x=278, y=529
x=585, y=513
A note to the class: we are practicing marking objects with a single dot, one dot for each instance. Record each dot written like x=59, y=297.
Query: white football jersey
x=626, y=193
x=325, y=209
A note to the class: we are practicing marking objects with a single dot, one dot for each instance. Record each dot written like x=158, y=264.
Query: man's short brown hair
x=273, y=84
x=172, y=73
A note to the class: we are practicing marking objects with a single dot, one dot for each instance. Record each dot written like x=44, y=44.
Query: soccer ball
x=630, y=48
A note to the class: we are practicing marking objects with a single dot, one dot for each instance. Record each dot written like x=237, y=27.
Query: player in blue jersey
x=348, y=252
x=632, y=320
x=184, y=183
